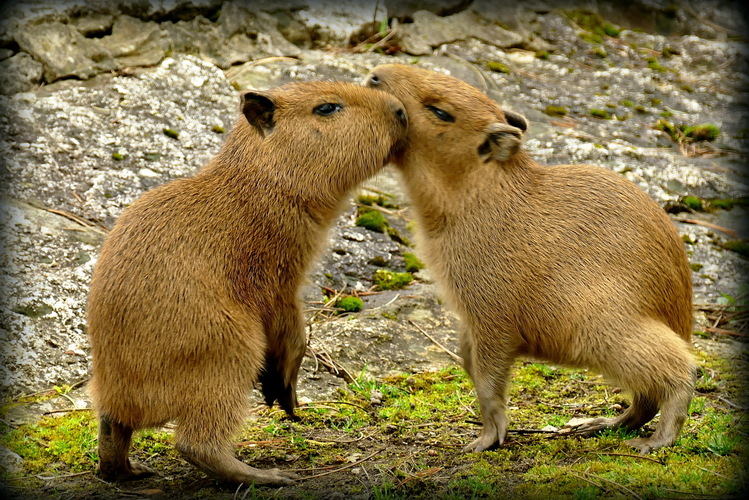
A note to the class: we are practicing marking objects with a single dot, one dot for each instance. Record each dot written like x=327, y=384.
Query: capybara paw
x=133, y=470
x=273, y=477
x=586, y=426
x=484, y=442
x=644, y=445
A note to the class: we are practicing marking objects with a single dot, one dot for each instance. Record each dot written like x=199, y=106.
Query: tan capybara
x=572, y=264
x=194, y=296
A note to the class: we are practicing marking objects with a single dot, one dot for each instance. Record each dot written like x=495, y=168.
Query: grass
x=406, y=442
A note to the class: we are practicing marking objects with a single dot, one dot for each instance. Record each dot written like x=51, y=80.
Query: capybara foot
x=588, y=426
x=129, y=472
x=223, y=466
x=646, y=445
x=492, y=435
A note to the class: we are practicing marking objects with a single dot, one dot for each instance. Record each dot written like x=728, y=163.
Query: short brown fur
x=195, y=293
x=571, y=264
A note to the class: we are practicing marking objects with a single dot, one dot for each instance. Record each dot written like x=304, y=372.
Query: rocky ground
x=103, y=101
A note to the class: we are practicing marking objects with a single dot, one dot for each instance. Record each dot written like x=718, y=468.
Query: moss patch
x=390, y=280
x=350, y=304
x=413, y=264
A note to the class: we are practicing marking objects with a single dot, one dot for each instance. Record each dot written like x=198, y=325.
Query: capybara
x=195, y=294
x=571, y=264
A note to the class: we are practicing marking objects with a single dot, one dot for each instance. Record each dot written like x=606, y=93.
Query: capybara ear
x=516, y=120
x=258, y=108
x=502, y=141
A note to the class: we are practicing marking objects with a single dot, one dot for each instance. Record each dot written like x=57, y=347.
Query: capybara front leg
x=114, y=447
x=491, y=378
x=287, y=343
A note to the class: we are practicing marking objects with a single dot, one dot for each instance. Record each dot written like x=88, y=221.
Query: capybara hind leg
x=491, y=379
x=674, y=413
x=114, y=447
x=641, y=411
x=220, y=464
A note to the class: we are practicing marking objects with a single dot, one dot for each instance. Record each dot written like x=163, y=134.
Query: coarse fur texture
x=194, y=296
x=572, y=264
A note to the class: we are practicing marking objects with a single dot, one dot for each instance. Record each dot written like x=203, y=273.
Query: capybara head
x=334, y=132
x=452, y=123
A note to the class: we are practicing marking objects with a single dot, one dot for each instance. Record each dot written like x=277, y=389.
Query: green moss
x=654, y=64
x=497, y=67
x=687, y=88
x=117, y=157
x=666, y=114
x=741, y=247
x=639, y=108
x=655, y=101
x=692, y=202
x=382, y=200
x=171, y=133
x=728, y=203
x=373, y=220
x=378, y=261
x=696, y=267
x=627, y=103
x=56, y=444
x=543, y=54
x=390, y=280
x=600, y=52
x=669, y=128
x=594, y=25
x=350, y=304
x=600, y=113
x=556, y=110
x=218, y=129
x=702, y=132
x=687, y=239
x=589, y=37
x=413, y=264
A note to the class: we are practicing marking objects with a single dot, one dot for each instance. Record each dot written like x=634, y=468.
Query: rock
x=234, y=39
x=63, y=51
x=19, y=73
x=429, y=31
x=94, y=25
x=406, y=8
x=293, y=30
x=334, y=21
x=136, y=43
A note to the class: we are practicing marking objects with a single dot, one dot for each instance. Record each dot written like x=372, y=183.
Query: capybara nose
x=401, y=115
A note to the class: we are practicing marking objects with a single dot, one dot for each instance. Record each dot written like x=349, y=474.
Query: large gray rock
x=136, y=43
x=429, y=30
x=63, y=51
x=19, y=73
x=239, y=36
x=405, y=8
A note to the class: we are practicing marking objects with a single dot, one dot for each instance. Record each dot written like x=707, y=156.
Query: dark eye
x=441, y=114
x=327, y=109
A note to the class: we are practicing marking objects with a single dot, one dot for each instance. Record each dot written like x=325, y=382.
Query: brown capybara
x=572, y=264
x=194, y=296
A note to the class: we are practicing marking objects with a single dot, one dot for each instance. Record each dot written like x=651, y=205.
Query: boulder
x=19, y=73
x=430, y=30
x=63, y=51
x=136, y=43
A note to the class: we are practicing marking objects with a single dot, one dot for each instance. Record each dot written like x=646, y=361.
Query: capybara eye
x=327, y=109
x=441, y=114
x=374, y=80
